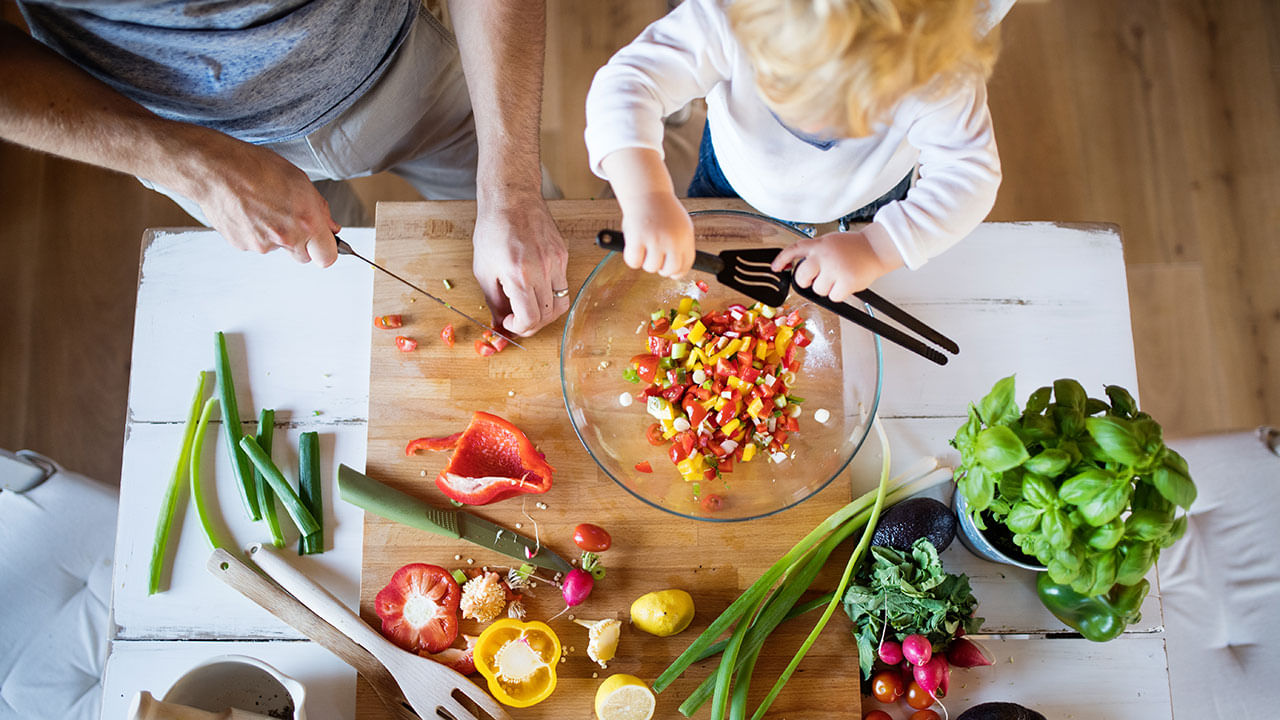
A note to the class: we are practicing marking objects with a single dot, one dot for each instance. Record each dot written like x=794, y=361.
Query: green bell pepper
x=1099, y=618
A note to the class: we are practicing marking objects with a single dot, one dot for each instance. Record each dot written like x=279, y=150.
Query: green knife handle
x=365, y=492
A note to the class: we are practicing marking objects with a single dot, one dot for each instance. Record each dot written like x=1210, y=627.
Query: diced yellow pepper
x=680, y=321
x=747, y=343
x=736, y=382
x=783, y=339
x=749, y=452
x=755, y=407
x=762, y=350
x=730, y=426
x=696, y=334
x=686, y=304
x=720, y=403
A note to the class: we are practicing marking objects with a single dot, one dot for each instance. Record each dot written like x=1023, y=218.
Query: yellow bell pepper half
x=519, y=661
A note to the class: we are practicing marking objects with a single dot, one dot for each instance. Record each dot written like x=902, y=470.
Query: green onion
x=630, y=375
x=300, y=515
x=266, y=498
x=197, y=495
x=232, y=430
x=459, y=577
x=169, y=504
x=309, y=491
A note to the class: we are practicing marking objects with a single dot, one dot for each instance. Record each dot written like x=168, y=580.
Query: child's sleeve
x=959, y=174
x=676, y=59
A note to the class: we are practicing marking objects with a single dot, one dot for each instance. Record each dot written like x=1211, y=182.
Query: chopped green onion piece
x=656, y=315
x=630, y=375
x=197, y=494
x=232, y=430
x=459, y=577
x=455, y=503
x=794, y=400
x=266, y=498
x=679, y=350
x=309, y=491
x=300, y=515
x=171, y=494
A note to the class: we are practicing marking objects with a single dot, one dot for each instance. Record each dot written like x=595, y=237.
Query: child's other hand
x=837, y=264
x=659, y=235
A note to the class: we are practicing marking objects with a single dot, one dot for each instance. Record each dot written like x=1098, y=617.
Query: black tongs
x=750, y=273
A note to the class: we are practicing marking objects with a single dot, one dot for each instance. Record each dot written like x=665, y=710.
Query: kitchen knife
x=365, y=492
x=345, y=249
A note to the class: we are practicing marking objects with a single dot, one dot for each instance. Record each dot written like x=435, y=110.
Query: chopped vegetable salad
x=719, y=384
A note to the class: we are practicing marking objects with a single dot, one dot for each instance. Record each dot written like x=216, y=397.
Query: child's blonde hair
x=847, y=63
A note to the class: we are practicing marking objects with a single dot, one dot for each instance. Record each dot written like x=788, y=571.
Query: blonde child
x=817, y=110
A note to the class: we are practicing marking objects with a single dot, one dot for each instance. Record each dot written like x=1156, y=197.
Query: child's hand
x=659, y=235
x=836, y=264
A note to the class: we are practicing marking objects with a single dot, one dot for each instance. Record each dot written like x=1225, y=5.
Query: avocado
x=1000, y=711
x=901, y=525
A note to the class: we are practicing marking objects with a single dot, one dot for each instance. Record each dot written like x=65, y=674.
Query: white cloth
x=55, y=587
x=1221, y=582
x=692, y=53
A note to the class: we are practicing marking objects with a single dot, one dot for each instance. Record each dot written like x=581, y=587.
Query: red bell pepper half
x=425, y=444
x=493, y=461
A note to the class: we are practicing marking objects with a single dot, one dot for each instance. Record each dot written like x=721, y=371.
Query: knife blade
x=365, y=492
x=345, y=249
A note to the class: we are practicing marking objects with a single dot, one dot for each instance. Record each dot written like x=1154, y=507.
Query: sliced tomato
x=646, y=366
x=742, y=324
x=644, y=467
x=789, y=357
x=484, y=349
x=766, y=329
x=659, y=326
x=446, y=334
x=654, y=434
x=419, y=608
x=726, y=464
x=791, y=320
x=659, y=346
x=437, y=444
x=703, y=286
x=792, y=424
x=387, y=322
x=802, y=338
x=406, y=344
x=693, y=408
x=498, y=342
x=674, y=393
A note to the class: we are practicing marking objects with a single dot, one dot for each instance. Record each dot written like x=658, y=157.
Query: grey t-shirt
x=259, y=70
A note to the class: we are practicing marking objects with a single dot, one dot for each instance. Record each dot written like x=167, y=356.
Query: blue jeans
x=709, y=181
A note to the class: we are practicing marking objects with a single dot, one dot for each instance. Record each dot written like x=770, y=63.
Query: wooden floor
x=1162, y=117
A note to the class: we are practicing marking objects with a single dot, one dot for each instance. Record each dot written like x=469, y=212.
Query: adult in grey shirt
x=233, y=108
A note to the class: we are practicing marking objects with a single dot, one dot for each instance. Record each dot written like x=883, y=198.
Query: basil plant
x=1085, y=486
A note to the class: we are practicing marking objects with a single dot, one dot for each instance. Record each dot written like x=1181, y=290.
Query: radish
x=890, y=652
x=931, y=675
x=917, y=650
x=576, y=586
x=965, y=653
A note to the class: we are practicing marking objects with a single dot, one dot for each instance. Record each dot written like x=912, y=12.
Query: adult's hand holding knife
x=365, y=492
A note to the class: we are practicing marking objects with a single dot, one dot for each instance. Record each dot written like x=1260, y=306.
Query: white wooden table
x=1037, y=299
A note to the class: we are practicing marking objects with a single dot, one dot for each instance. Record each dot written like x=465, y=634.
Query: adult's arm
x=253, y=197
x=519, y=256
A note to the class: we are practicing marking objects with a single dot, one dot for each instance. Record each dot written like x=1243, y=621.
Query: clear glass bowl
x=841, y=373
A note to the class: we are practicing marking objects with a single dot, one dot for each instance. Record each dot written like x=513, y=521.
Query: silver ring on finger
x=564, y=292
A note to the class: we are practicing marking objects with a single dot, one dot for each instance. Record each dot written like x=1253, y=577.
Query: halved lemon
x=624, y=697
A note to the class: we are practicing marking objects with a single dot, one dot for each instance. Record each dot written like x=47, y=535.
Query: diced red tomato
x=702, y=285
x=406, y=344
x=659, y=326
x=432, y=595
x=659, y=346
x=674, y=393
x=791, y=320
x=499, y=343
x=446, y=334
x=484, y=349
x=693, y=408
x=644, y=467
x=792, y=424
x=726, y=464
x=654, y=435
x=789, y=357
x=646, y=366
x=387, y=322
x=802, y=338
x=766, y=329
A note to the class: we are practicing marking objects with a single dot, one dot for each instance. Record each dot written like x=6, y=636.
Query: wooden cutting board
x=434, y=390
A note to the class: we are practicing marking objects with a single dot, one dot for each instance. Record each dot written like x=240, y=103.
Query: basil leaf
x=1037, y=428
x=1070, y=420
x=979, y=487
x=1103, y=575
x=1149, y=435
x=999, y=406
x=1122, y=403
x=1061, y=574
x=1107, y=536
x=1108, y=504
x=1147, y=497
x=1175, y=486
x=999, y=449
x=1010, y=485
x=1093, y=406
x=1176, y=462
x=1176, y=531
x=1086, y=485
x=1038, y=401
x=1069, y=394
x=1050, y=462
x=967, y=434
x=1070, y=557
x=1038, y=491
x=1116, y=437
x=1056, y=529
x=1024, y=518
x=1138, y=559
x=1148, y=525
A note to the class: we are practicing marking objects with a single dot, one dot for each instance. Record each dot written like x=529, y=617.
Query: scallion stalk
x=232, y=430
x=300, y=515
x=266, y=498
x=197, y=494
x=309, y=491
x=160, y=548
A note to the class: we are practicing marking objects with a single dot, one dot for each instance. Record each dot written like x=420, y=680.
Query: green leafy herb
x=914, y=595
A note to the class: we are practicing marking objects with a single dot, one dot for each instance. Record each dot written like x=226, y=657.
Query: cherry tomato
x=877, y=715
x=712, y=502
x=406, y=344
x=925, y=715
x=887, y=686
x=654, y=435
x=446, y=334
x=387, y=322
x=646, y=366
x=918, y=697
x=484, y=349
x=592, y=538
x=644, y=467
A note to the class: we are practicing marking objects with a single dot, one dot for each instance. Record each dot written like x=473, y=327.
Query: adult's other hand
x=521, y=262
